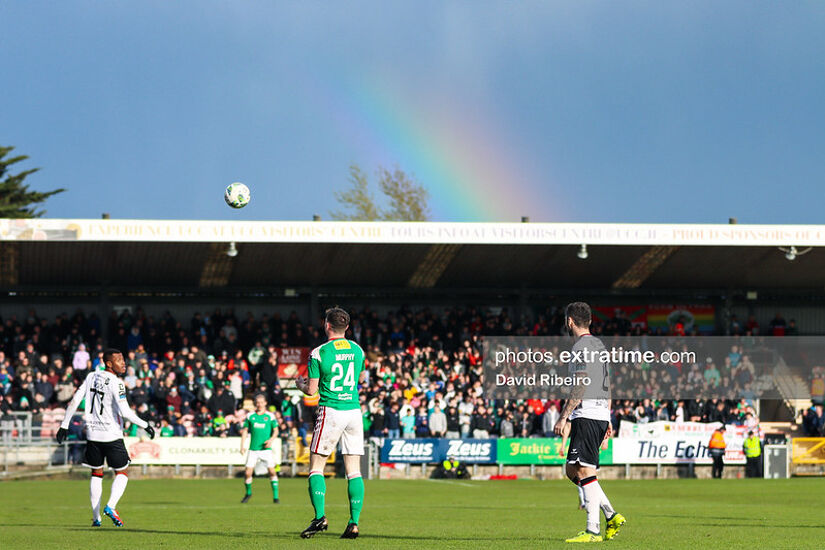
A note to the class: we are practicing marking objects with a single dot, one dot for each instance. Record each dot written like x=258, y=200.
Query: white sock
x=95, y=492
x=592, y=500
x=606, y=507
x=118, y=487
x=581, y=496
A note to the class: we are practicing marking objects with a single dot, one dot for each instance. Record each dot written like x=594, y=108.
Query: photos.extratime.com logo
x=659, y=367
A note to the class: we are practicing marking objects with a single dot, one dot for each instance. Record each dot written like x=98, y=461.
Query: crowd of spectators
x=424, y=375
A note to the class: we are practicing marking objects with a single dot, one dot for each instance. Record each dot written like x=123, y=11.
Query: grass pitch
x=416, y=514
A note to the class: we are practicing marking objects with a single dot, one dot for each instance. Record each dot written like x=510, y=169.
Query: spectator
x=506, y=429
x=712, y=376
x=165, y=429
x=80, y=361
x=549, y=418
x=392, y=421
x=525, y=426
x=465, y=412
x=778, y=325
x=174, y=400
x=222, y=400
x=220, y=427
x=482, y=424
x=203, y=422
x=438, y=423
x=422, y=423
x=813, y=422
x=378, y=425
x=752, y=326
x=453, y=423
x=735, y=327
x=43, y=390
x=792, y=329
x=408, y=425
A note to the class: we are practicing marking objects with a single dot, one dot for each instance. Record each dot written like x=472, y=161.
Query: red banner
x=637, y=315
x=292, y=362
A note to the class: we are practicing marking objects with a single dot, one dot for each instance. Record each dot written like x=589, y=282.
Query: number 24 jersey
x=337, y=364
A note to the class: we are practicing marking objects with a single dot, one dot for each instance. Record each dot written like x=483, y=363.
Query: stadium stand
x=193, y=362
x=195, y=376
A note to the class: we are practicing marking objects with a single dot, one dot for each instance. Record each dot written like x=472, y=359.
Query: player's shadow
x=176, y=532
x=419, y=538
x=764, y=526
x=690, y=517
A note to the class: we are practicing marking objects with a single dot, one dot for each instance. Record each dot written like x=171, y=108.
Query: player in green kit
x=335, y=369
x=263, y=428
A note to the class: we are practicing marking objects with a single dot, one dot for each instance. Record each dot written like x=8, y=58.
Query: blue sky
x=563, y=111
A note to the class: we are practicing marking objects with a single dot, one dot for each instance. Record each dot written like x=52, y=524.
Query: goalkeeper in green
x=262, y=428
x=335, y=369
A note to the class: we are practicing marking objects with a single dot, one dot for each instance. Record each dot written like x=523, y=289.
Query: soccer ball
x=237, y=195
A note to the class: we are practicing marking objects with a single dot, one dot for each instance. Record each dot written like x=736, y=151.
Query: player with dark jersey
x=588, y=411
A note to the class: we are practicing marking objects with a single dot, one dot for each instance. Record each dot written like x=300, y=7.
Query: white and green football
x=237, y=195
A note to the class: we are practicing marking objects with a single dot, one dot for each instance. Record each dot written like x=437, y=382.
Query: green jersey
x=337, y=365
x=261, y=427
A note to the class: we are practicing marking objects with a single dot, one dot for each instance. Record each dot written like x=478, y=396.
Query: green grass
x=416, y=514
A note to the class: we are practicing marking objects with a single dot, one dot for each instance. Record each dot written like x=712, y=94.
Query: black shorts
x=586, y=436
x=113, y=451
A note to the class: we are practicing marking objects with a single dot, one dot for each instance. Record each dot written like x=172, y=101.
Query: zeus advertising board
x=473, y=451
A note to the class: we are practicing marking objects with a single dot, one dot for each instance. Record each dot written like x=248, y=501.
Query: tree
x=408, y=199
x=357, y=199
x=16, y=200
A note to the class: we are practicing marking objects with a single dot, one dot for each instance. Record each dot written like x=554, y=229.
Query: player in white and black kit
x=106, y=407
x=588, y=411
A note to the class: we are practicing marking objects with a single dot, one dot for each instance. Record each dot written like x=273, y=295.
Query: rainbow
x=472, y=171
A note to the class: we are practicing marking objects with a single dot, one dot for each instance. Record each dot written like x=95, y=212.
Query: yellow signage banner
x=302, y=452
x=808, y=450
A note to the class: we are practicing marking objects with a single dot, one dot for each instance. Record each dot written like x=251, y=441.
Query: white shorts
x=332, y=426
x=266, y=456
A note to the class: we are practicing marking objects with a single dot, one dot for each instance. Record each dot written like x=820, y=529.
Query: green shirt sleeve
x=314, y=366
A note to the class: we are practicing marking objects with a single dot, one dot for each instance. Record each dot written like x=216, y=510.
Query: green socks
x=355, y=490
x=317, y=492
x=274, y=483
x=248, y=489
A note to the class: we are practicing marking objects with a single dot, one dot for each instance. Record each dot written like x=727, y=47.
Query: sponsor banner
x=292, y=362
x=682, y=319
x=52, y=229
x=665, y=427
x=220, y=451
x=409, y=450
x=637, y=315
x=472, y=451
x=541, y=451
x=808, y=450
x=673, y=449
